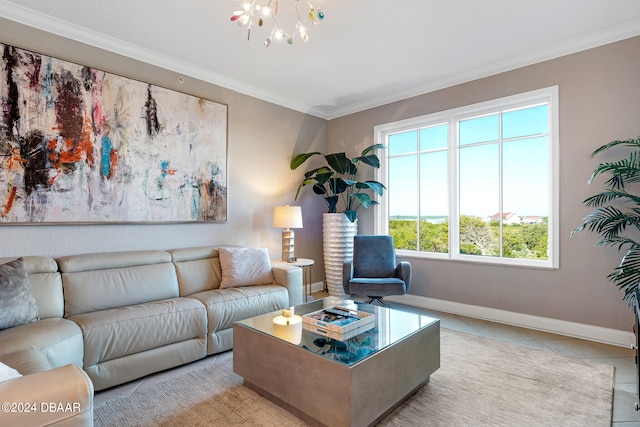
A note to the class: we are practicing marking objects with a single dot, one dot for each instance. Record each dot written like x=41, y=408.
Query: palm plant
x=617, y=214
x=336, y=181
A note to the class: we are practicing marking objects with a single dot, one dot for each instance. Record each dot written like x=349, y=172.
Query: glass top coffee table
x=352, y=382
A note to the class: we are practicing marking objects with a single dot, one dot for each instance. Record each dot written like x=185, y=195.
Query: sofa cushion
x=245, y=267
x=59, y=340
x=198, y=275
x=226, y=306
x=120, y=332
x=198, y=268
x=8, y=373
x=27, y=361
x=17, y=302
x=95, y=290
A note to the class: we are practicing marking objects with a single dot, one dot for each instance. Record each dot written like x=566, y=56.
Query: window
x=478, y=183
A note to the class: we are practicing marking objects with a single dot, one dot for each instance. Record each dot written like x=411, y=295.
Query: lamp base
x=288, y=237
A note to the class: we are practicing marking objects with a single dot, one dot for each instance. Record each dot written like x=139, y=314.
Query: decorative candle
x=288, y=326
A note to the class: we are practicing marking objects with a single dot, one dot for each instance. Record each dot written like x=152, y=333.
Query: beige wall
x=599, y=102
x=262, y=138
x=599, y=92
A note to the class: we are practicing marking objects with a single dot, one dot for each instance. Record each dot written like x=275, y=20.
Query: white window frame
x=547, y=95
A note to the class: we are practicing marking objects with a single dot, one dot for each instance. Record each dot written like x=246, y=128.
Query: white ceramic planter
x=337, y=244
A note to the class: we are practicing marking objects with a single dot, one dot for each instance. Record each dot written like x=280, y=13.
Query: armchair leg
x=377, y=301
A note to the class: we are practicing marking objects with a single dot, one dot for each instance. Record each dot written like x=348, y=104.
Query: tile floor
x=624, y=413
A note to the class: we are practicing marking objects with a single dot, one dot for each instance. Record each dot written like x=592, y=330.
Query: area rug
x=481, y=382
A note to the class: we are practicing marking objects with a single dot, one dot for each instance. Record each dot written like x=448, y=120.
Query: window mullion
x=454, y=187
x=419, y=175
x=501, y=186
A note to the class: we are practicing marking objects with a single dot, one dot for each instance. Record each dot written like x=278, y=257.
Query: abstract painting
x=80, y=145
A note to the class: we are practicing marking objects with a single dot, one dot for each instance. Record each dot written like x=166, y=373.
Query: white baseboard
x=572, y=329
x=317, y=286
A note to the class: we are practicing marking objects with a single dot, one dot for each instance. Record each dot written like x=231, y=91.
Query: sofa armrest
x=347, y=275
x=403, y=271
x=289, y=276
x=62, y=397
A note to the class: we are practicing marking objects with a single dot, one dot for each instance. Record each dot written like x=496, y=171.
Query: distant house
x=507, y=218
x=532, y=219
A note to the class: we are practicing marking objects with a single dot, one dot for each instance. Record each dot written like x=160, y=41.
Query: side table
x=305, y=264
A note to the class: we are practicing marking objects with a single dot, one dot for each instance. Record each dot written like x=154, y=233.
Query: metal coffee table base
x=323, y=391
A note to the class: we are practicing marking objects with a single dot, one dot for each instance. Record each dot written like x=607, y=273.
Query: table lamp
x=287, y=217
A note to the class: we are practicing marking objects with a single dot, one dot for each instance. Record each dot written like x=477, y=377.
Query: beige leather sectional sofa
x=123, y=315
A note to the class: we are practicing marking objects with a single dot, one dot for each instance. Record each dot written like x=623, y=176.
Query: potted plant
x=336, y=181
x=617, y=214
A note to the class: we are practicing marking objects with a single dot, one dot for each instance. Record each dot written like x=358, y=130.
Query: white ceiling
x=365, y=53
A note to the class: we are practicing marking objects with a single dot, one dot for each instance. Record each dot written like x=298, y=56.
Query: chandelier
x=256, y=12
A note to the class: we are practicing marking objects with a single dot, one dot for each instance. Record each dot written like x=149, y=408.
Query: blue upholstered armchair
x=374, y=272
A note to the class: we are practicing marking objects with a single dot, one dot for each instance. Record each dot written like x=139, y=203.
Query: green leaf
x=332, y=203
x=305, y=182
x=608, y=196
x=363, y=198
x=610, y=222
x=621, y=241
x=372, y=148
x=352, y=169
x=622, y=171
x=339, y=162
x=324, y=177
x=607, y=221
x=301, y=158
x=351, y=215
x=625, y=277
x=371, y=160
x=318, y=171
x=339, y=185
x=319, y=189
x=628, y=142
x=373, y=185
x=616, y=217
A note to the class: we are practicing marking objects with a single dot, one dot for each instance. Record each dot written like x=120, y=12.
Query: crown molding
x=556, y=51
x=62, y=28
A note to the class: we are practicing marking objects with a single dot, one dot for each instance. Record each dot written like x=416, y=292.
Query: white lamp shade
x=287, y=217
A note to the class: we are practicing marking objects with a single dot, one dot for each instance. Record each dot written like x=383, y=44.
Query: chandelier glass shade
x=265, y=13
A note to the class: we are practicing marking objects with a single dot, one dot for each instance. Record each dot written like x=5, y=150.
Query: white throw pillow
x=7, y=373
x=245, y=267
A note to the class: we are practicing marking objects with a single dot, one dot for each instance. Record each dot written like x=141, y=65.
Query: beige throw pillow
x=245, y=267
